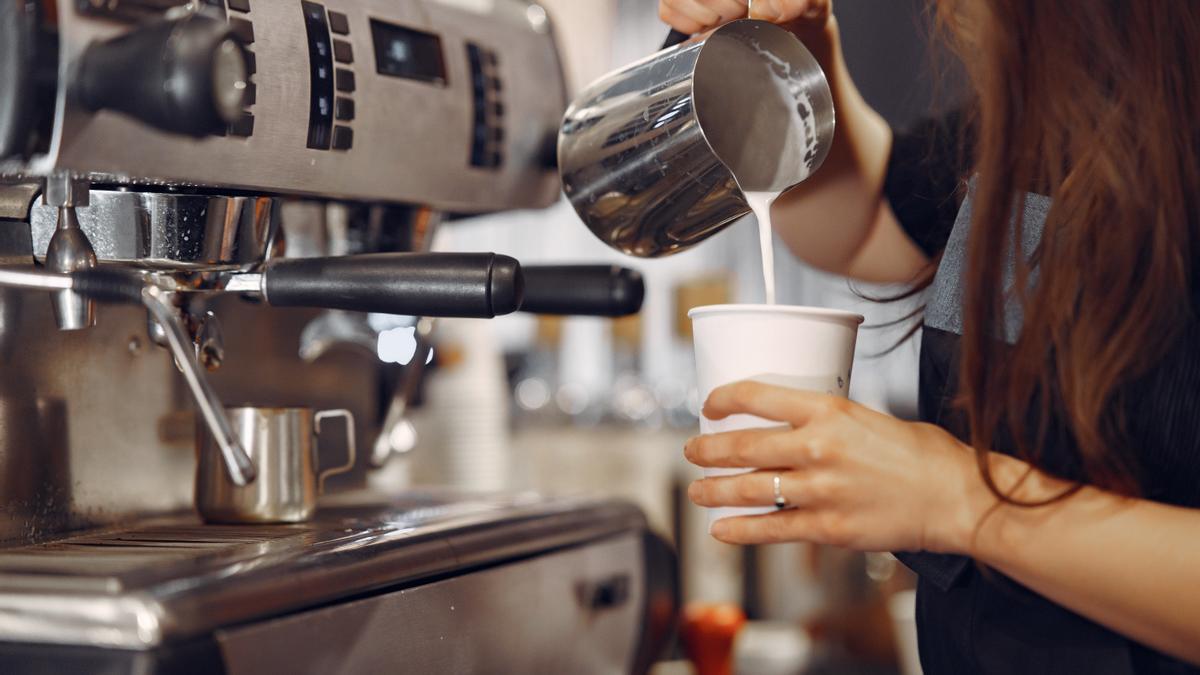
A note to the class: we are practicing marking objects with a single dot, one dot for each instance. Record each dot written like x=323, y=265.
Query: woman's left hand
x=855, y=477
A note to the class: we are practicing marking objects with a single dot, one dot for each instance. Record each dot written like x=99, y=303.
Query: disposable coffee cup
x=807, y=348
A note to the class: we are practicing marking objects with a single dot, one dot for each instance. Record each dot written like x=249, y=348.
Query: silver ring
x=780, y=500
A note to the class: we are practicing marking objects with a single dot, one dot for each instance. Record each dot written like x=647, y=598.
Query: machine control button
x=339, y=23
x=239, y=5
x=343, y=138
x=604, y=594
x=243, y=29
x=345, y=80
x=320, y=61
x=244, y=126
x=250, y=94
x=343, y=52
x=251, y=63
x=344, y=109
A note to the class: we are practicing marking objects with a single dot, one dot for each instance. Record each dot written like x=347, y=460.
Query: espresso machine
x=199, y=204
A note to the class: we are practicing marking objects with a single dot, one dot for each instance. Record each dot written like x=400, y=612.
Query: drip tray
x=109, y=556
x=170, y=579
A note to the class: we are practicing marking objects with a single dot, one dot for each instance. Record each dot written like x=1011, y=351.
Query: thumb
x=766, y=10
x=785, y=11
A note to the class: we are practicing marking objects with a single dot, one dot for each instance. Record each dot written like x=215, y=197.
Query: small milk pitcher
x=283, y=444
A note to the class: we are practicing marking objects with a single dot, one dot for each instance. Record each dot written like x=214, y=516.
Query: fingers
x=728, y=9
x=781, y=404
x=749, y=449
x=773, y=528
x=696, y=16
x=757, y=488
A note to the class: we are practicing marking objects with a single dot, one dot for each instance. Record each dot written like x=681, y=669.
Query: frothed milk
x=760, y=203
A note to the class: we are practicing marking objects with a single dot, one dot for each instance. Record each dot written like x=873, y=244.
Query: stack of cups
x=799, y=347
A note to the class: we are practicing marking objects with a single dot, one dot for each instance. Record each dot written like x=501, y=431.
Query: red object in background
x=709, y=632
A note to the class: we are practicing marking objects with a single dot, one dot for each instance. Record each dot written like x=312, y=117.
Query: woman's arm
x=1129, y=564
x=865, y=480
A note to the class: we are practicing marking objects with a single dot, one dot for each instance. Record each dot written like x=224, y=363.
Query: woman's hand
x=696, y=16
x=855, y=477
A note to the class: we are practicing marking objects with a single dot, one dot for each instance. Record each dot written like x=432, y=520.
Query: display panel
x=407, y=53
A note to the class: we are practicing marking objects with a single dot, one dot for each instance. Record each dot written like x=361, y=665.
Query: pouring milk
x=795, y=156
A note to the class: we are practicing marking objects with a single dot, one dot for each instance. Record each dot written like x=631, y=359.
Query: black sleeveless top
x=971, y=621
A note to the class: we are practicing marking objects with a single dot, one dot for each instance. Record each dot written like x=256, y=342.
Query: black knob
x=186, y=76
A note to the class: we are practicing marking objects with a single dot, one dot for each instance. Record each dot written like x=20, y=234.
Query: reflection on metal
x=333, y=328
x=648, y=154
x=210, y=342
x=16, y=200
x=171, y=579
x=394, y=437
x=168, y=231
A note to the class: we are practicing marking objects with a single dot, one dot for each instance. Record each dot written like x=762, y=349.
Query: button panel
x=344, y=110
x=487, y=137
x=320, y=62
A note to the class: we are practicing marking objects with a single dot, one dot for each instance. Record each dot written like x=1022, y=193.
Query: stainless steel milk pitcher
x=649, y=154
x=283, y=442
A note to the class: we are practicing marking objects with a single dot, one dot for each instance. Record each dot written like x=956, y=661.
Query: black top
x=976, y=621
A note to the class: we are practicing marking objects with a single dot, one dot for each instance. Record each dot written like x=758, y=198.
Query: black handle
x=468, y=285
x=675, y=37
x=185, y=76
x=583, y=290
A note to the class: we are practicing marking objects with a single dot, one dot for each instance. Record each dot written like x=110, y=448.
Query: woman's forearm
x=1129, y=564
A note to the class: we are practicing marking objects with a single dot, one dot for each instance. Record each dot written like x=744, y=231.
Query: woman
x=1060, y=364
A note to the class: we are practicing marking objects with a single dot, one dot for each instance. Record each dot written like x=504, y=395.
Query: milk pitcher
x=652, y=155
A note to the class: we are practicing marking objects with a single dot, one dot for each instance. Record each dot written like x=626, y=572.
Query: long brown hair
x=1095, y=103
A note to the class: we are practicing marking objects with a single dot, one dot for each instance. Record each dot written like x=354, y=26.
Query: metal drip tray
x=168, y=580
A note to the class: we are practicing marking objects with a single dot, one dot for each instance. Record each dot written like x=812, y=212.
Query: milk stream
x=760, y=203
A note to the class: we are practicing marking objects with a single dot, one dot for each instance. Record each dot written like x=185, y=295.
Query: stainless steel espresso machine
x=199, y=203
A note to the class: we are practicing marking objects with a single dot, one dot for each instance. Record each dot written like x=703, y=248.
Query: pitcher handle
x=350, y=449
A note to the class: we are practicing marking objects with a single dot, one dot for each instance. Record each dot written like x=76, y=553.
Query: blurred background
x=580, y=405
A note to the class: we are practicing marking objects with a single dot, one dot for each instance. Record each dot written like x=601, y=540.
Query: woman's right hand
x=697, y=16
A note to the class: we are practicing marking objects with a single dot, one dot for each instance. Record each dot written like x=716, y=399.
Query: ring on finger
x=780, y=500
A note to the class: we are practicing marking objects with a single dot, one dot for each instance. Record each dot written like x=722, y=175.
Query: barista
x=1049, y=501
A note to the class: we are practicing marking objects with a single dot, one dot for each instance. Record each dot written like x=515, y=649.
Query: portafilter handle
x=583, y=290
x=465, y=285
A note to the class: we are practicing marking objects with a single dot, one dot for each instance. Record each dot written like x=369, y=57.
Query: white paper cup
x=800, y=347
